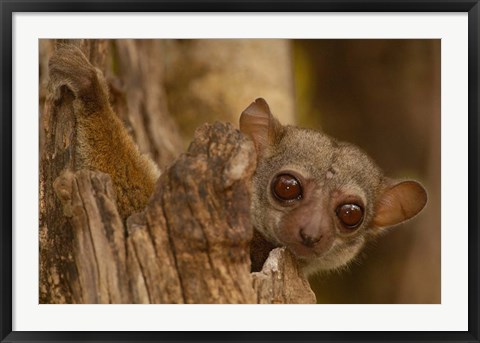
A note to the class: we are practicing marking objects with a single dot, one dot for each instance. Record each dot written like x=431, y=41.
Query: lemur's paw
x=68, y=67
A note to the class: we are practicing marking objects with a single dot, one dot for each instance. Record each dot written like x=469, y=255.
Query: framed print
x=240, y=171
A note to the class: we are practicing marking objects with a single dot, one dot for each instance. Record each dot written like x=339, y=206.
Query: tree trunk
x=189, y=245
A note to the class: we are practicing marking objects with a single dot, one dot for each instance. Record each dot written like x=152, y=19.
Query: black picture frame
x=8, y=7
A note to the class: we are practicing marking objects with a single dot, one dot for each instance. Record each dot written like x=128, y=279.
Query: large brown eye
x=350, y=215
x=286, y=187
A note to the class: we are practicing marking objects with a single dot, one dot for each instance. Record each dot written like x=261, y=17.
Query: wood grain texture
x=281, y=281
x=58, y=137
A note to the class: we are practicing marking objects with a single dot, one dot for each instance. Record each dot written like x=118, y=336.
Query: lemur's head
x=321, y=198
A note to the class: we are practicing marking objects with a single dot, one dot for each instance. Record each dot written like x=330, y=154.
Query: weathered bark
x=281, y=282
x=58, y=153
x=189, y=245
x=98, y=242
x=57, y=143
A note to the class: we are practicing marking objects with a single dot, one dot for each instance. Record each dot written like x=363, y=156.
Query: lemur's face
x=313, y=197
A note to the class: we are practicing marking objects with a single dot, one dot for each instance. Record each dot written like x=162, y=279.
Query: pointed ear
x=398, y=203
x=258, y=123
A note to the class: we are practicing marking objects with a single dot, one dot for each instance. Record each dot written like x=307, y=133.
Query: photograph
x=239, y=171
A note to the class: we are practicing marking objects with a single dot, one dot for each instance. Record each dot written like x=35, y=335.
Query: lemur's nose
x=309, y=239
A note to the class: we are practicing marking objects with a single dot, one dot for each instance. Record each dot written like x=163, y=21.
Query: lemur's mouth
x=304, y=252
